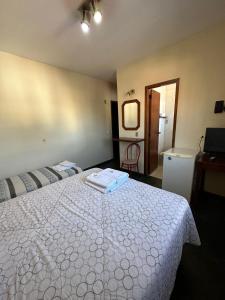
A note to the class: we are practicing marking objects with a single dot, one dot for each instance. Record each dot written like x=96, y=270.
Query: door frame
x=148, y=89
x=112, y=102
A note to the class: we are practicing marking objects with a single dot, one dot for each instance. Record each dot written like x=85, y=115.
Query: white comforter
x=69, y=241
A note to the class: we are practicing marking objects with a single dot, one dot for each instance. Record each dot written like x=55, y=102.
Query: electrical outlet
x=136, y=133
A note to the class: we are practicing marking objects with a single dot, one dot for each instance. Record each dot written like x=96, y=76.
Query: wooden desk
x=128, y=140
x=203, y=164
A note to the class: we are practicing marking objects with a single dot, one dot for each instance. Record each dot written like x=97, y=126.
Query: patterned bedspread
x=69, y=241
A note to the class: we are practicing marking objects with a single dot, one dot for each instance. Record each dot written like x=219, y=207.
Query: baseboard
x=95, y=166
x=212, y=195
x=135, y=173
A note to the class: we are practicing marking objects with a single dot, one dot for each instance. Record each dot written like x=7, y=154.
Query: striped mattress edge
x=15, y=186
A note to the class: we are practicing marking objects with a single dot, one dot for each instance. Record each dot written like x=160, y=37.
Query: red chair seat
x=130, y=161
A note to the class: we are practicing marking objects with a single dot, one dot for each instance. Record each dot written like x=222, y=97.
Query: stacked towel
x=64, y=165
x=107, y=181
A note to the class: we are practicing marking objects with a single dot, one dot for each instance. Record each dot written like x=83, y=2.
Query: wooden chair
x=132, y=157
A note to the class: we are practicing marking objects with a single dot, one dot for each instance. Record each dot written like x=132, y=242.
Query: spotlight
x=97, y=12
x=97, y=17
x=85, y=27
x=85, y=23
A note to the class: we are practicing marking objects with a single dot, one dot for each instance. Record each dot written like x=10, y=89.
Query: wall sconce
x=130, y=92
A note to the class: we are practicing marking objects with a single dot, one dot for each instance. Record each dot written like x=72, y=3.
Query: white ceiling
x=44, y=30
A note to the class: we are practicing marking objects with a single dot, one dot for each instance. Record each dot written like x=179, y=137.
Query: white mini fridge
x=178, y=171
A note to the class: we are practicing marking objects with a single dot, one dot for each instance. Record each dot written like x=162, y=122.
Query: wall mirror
x=131, y=114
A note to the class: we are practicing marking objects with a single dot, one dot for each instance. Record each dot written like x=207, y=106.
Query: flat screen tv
x=215, y=140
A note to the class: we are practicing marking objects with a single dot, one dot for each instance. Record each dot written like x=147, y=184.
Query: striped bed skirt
x=27, y=182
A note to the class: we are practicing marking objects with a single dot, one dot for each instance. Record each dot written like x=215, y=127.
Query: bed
x=69, y=241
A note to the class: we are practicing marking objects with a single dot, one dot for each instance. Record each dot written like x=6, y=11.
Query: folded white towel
x=107, y=178
x=102, y=180
x=115, y=173
x=67, y=163
x=109, y=189
x=64, y=165
x=59, y=168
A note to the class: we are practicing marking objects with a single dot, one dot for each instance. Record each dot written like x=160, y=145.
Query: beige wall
x=199, y=62
x=49, y=114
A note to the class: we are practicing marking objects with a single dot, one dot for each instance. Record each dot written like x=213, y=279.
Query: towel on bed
x=107, y=177
x=107, y=180
x=109, y=189
x=64, y=165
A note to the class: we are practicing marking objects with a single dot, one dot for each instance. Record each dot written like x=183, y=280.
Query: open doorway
x=160, y=123
x=115, y=129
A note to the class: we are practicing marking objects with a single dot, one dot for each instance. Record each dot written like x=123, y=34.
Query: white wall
x=169, y=112
x=199, y=62
x=167, y=103
x=49, y=114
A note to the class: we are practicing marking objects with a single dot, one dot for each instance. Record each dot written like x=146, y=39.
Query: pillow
x=27, y=182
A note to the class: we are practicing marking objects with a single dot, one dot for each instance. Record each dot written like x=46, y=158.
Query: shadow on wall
x=48, y=114
x=40, y=98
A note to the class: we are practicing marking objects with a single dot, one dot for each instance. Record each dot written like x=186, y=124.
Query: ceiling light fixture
x=85, y=23
x=97, y=11
x=98, y=17
x=90, y=9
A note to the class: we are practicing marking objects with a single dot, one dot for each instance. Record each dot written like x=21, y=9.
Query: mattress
x=69, y=241
x=27, y=182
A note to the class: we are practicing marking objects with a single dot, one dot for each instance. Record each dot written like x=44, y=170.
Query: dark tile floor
x=201, y=274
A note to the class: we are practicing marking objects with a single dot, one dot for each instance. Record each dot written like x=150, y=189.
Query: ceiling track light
x=90, y=8
x=85, y=23
x=97, y=14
